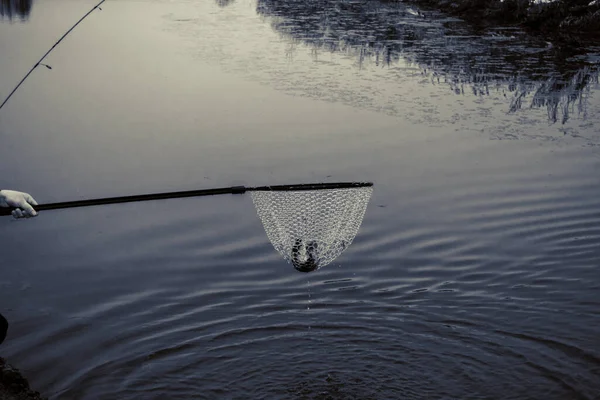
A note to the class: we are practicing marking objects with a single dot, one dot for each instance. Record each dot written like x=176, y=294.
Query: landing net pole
x=191, y=193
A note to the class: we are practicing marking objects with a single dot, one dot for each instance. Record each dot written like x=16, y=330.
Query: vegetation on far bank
x=558, y=18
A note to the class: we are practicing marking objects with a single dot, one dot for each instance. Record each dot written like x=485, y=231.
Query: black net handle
x=192, y=193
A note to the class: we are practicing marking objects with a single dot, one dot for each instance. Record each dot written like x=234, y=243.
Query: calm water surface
x=474, y=274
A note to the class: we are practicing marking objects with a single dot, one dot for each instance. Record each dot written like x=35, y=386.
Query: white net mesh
x=311, y=228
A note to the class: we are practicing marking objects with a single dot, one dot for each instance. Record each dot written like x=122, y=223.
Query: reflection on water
x=531, y=71
x=475, y=271
x=12, y=9
x=224, y=3
x=559, y=95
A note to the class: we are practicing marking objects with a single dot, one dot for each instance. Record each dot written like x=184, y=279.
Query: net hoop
x=310, y=227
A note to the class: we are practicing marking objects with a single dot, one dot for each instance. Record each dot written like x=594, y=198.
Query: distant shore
x=560, y=19
x=13, y=386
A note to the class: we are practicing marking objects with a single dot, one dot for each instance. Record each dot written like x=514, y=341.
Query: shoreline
x=562, y=20
x=14, y=386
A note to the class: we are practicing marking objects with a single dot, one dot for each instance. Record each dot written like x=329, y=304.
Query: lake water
x=475, y=273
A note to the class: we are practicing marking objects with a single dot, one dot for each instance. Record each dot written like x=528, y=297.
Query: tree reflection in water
x=224, y=3
x=12, y=9
x=530, y=71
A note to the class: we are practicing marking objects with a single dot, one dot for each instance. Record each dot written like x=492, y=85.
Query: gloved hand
x=23, y=203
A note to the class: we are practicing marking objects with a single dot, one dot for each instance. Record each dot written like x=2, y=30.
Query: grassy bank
x=13, y=386
x=560, y=18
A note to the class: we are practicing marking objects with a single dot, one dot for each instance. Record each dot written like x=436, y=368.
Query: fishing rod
x=193, y=193
x=97, y=6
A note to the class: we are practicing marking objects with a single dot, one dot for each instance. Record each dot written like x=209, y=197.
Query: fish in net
x=309, y=224
x=311, y=228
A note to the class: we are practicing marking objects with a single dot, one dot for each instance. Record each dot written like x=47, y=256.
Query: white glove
x=22, y=202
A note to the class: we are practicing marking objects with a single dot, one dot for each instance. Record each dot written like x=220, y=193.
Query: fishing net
x=309, y=224
x=311, y=228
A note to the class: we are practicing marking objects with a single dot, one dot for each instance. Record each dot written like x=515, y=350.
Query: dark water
x=474, y=274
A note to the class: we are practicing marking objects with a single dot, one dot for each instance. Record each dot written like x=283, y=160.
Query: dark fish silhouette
x=303, y=257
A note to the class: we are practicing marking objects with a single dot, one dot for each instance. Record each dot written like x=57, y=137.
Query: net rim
x=311, y=186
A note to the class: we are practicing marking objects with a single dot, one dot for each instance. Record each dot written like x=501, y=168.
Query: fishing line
x=48, y=52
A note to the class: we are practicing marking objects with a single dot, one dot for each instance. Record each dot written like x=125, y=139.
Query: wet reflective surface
x=485, y=63
x=474, y=273
x=15, y=9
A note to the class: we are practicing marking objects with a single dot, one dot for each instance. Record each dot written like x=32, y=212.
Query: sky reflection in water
x=529, y=71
